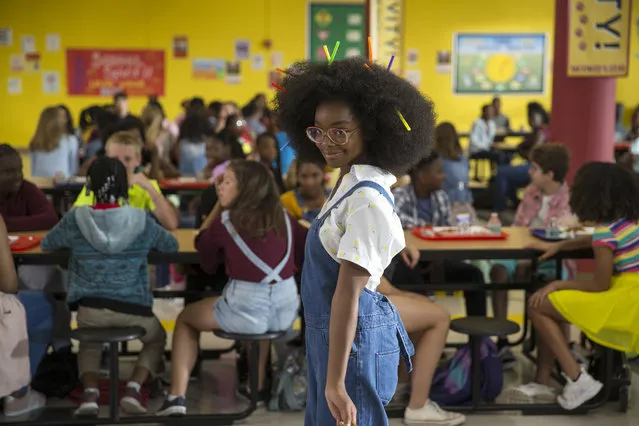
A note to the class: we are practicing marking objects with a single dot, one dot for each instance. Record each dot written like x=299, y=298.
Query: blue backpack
x=451, y=384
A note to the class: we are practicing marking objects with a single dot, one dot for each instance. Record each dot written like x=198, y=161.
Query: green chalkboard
x=330, y=23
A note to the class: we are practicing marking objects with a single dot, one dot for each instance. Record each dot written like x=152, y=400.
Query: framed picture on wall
x=329, y=23
x=513, y=63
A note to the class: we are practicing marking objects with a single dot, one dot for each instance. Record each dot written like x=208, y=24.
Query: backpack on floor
x=288, y=392
x=452, y=381
x=57, y=374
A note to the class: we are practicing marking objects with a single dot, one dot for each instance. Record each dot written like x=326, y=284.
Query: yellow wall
x=430, y=26
x=213, y=25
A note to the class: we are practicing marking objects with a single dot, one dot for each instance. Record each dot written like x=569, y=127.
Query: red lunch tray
x=24, y=243
x=178, y=184
x=430, y=235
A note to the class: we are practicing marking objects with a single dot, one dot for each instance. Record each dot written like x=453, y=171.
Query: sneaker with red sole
x=132, y=402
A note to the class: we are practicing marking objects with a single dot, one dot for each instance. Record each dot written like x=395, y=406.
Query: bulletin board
x=499, y=63
x=329, y=23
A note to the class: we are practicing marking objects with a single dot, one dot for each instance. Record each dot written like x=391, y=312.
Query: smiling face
x=337, y=115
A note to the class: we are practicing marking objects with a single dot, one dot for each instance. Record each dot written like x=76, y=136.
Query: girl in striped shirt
x=604, y=307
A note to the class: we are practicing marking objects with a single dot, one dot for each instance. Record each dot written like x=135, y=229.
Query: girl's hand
x=410, y=256
x=549, y=249
x=341, y=405
x=540, y=295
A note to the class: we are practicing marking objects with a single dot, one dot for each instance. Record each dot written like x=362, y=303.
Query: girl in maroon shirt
x=263, y=248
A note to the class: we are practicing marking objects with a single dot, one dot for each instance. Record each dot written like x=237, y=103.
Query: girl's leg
x=195, y=318
x=422, y=317
x=548, y=323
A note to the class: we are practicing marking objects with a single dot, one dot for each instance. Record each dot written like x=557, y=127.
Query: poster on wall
x=242, y=50
x=180, y=47
x=16, y=62
x=443, y=62
x=499, y=63
x=52, y=42
x=6, y=37
x=599, y=38
x=14, y=85
x=208, y=68
x=50, y=82
x=107, y=71
x=330, y=23
x=27, y=42
x=388, y=35
x=257, y=62
x=233, y=72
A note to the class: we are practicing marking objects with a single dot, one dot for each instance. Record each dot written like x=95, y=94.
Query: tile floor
x=215, y=392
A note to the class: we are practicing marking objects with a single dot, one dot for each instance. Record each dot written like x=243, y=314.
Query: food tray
x=184, y=184
x=23, y=243
x=540, y=233
x=478, y=233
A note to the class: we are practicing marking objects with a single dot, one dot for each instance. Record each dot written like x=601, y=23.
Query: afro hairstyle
x=604, y=192
x=375, y=97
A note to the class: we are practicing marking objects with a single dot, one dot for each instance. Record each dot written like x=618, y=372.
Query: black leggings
x=455, y=272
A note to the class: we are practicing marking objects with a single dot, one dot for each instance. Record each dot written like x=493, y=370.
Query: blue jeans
x=255, y=308
x=40, y=310
x=507, y=181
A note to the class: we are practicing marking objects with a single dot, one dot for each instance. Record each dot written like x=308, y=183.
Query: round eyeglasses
x=336, y=136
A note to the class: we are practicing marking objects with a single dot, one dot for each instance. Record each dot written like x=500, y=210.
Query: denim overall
x=371, y=376
x=257, y=307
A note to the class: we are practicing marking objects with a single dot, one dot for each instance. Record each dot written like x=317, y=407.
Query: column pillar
x=583, y=108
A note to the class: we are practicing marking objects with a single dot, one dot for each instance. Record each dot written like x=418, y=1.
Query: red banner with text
x=104, y=72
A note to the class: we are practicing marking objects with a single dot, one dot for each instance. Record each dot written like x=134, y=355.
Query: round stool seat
x=483, y=326
x=107, y=334
x=269, y=335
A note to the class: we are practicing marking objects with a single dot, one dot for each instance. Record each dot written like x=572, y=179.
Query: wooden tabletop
x=185, y=237
x=514, y=247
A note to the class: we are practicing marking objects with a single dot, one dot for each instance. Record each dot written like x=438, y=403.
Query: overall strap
x=250, y=255
x=275, y=273
x=362, y=184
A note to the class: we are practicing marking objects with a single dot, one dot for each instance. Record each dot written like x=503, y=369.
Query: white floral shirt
x=364, y=228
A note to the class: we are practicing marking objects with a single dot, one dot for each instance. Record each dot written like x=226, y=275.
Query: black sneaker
x=175, y=407
x=263, y=396
x=89, y=406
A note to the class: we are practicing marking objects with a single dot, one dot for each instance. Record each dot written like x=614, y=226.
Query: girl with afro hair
x=372, y=126
x=607, y=195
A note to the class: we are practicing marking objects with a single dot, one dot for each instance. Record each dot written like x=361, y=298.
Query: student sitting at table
x=54, y=153
x=219, y=153
x=108, y=276
x=482, y=136
x=306, y=200
x=143, y=193
x=268, y=153
x=424, y=203
x=23, y=205
x=262, y=247
x=604, y=308
x=546, y=198
x=33, y=320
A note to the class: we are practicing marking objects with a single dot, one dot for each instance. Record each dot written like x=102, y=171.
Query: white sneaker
x=530, y=393
x=31, y=401
x=577, y=392
x=432, y=415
